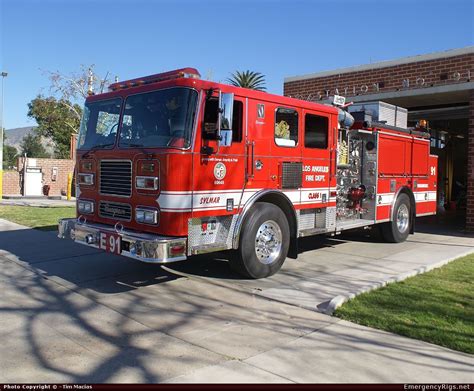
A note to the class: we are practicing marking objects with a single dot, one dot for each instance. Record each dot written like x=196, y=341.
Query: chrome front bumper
x=144, y=247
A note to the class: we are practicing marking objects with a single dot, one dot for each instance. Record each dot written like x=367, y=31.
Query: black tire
x=245, y=260
x=398, y=229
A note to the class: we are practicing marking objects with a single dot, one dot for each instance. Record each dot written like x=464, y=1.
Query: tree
x=58, y=116
x=32, y=146
x=10, y=154
x=248, y=79
x=56, y=121
x=71, y=90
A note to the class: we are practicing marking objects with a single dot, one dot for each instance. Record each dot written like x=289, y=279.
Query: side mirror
x=224, y=123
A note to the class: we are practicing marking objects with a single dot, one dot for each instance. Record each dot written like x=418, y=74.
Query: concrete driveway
x=72, y=314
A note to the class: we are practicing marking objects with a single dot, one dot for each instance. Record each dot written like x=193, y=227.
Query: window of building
x=209, y=128
x=316, y=131
x=286, y=127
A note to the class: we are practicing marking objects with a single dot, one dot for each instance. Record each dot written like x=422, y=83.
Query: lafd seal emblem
x=220, y=171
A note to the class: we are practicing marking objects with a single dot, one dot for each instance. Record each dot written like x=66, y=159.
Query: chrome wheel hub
x=403, y=218
x=268, y=242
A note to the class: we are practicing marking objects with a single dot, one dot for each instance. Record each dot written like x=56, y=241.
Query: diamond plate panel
x=331, y=217
x=221, y=235
x=321, y=219
x=306, y=219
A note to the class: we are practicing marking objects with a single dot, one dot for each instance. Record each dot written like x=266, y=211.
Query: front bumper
x=142, y=246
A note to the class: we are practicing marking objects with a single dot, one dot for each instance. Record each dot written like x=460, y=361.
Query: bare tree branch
x=74, y=87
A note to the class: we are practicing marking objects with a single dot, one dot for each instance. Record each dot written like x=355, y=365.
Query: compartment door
x=317, y=144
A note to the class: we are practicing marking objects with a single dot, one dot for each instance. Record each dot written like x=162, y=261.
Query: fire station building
x=436, y=87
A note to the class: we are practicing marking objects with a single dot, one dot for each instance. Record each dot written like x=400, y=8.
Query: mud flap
x=293, y=250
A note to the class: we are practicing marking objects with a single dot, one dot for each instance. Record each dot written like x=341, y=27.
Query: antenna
x=102, y=83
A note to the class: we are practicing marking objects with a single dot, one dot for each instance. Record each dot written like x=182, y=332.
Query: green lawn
x=436, y=307
x=36, y=217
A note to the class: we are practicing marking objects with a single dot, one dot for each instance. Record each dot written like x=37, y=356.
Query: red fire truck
x=169, y=166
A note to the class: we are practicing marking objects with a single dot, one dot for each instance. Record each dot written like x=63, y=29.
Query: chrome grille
x=116, y=177
x=115, y=210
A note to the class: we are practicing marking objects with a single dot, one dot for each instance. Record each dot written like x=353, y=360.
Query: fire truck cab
x=169, y=166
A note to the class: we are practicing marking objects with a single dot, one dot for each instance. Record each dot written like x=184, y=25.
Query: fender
x=290, y=213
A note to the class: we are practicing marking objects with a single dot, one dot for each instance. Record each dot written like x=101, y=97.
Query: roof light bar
x=190, y=73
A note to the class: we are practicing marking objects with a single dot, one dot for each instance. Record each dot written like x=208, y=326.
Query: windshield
x=99, y=124
x=162, y=118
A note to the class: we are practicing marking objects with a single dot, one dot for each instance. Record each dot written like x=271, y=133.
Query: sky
x=278, y=38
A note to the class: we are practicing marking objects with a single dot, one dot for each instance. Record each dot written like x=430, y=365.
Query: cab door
x=317, y=150
x=286, y=151
x=218, y=170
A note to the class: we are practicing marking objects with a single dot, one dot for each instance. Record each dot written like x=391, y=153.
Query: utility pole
x=4, y=75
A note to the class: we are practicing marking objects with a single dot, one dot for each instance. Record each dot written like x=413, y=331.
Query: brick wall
x=422, y=74
x=11, y=182
x=470, y=167
x=12, y=179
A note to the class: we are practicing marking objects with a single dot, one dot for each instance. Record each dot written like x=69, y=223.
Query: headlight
x=146, y=182
x=85, y=207
x=85, y=179
x=146, y=216
x=86, y=165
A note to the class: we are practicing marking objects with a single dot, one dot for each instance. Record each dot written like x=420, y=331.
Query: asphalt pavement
x=69, y=313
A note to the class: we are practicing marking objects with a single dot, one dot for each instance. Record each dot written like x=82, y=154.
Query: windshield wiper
x=133, y=145
x=97, y=146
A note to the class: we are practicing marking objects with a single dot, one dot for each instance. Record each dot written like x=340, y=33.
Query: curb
x=338, y=301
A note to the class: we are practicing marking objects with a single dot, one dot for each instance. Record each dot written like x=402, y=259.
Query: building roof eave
x=384, y=64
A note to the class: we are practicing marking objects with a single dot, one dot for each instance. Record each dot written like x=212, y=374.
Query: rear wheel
x=397, y=230
x=264, y=242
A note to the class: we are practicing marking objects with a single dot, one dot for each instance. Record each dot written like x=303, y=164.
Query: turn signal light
x=85, y=179
x=177, y=249
x=148, y=167
x=146, y=216
x=86, y=165
x=85, y=207
x=146, y=182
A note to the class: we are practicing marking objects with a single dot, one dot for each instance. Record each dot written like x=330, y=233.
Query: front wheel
x=397, y=230
x=264, y=242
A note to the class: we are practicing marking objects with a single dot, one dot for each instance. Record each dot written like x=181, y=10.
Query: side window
x=209, y=126
x=237, y=121
x=316, y=131
x=286, y=127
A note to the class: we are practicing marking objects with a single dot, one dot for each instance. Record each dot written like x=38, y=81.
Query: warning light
x=423, y=123
x=190, y=73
